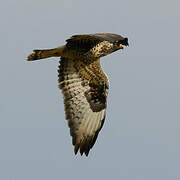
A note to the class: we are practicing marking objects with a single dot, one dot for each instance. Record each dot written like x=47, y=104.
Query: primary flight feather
x=83, y=83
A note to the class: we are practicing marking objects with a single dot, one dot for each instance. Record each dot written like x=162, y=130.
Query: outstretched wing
x=85, y=88
x=86, y=42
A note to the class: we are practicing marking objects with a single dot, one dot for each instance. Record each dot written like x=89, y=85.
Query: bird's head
x=121, y=42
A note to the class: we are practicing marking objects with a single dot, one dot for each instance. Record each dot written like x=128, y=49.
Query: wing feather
x=84, y=88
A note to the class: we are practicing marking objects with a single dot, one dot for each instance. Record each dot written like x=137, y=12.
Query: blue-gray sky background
x=140, y=137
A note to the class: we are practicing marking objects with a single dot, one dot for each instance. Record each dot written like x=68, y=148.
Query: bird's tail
x=45, y=53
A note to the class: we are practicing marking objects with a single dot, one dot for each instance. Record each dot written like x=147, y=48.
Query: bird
x=83, y=83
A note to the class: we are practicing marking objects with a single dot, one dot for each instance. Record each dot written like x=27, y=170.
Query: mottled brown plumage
x=83, y=83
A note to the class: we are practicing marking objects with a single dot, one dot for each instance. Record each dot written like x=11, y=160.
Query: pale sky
x=140, y=137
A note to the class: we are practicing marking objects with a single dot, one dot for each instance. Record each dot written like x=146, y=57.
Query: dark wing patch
x=82, y=42
x=96, y=96
x=84, y=102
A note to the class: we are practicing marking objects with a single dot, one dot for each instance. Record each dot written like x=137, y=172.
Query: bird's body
x=83, y=83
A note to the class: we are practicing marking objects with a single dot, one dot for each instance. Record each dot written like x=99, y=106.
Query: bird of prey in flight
x=83, y=83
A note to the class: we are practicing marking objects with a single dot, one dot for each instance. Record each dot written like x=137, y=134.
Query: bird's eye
x=118, y=42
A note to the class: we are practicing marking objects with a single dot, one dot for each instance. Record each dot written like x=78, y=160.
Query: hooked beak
x=121, y=46
x=124, y=43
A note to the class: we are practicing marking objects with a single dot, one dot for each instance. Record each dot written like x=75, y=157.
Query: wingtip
x=84, y=152
x=76, y=148
x=32, y=56
x=81, y=150
x=87, y=153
